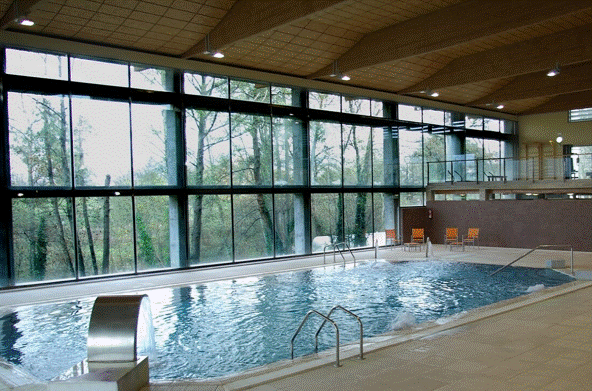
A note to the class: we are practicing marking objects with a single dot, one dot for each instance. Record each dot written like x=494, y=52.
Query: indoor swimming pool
x=224, y=327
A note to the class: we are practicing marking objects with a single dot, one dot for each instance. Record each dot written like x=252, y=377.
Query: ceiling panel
x=306, y=43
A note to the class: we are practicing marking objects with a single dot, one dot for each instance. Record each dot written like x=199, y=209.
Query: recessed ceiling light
x=26, y=22
x=500, y=106
x=435, y=94
x=218, y=55
x=345, y=78
x=554, y=72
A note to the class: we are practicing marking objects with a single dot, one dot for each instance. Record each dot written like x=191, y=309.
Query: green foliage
x=39, y=261
x=146, y=249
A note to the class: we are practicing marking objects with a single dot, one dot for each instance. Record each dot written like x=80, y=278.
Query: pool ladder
x=337, y=249
x=327, y=318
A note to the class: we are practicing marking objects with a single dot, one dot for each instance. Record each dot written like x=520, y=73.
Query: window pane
x=42, y=237
x=412, y=199
x=322, y=101
x=357, y=155
x=377, y=108
x=197, y=84
x=580, y=115
x=152, y=232
x=492, y=164
x=358, y=219
x=507, y=126
x=355, y=105
x=473, y=122
x=327, y=220
x=325, y=153
x=433, y=151
x=285, y=96
x=210, y=229
x=207, y=135
x=25, y=63
x=251, y=150
x=253, y=226
x=39, y=139
x=99, y=72
x=432, y=116
x=101, y=142
x=284, y=224
x=409, y=113
x=288, y=152
x=381, y=214
x=153, y=128
x=491, y=124
x=105, y=234
x=473, y=168
x=150, y=78
x=410, y=152
x=251, y=91
x=454, y=119
x=378, y=146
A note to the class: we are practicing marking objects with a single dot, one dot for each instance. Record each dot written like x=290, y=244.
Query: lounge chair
x=417, y=239
x=452, y=238
x=391, y=237
x=472, y=237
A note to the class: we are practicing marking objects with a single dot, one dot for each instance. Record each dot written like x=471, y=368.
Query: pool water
x=224, y=327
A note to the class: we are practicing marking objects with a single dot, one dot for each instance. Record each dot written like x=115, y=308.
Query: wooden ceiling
x=477, y=53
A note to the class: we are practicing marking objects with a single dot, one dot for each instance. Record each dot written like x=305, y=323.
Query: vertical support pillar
x=453, y=152
x=302, y=212
x=6, y=258
x=175, y=164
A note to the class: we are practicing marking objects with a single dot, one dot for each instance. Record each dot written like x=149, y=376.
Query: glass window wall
x=134, y=182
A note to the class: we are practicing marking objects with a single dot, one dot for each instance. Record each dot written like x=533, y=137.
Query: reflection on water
x=223, y=327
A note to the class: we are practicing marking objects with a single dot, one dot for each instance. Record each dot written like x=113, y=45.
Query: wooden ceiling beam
x=247, y=18
x=572, y=78
x=448, y=27
x=17, y=9
x=533, y=55
x=577, y=100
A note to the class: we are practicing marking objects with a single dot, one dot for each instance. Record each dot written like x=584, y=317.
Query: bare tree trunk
x=199, y=171
x=263, y=209
x=56, y=209
x=91, y=242
x=106, y=226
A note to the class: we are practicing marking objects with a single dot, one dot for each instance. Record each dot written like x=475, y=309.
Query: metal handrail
x=514, y=168
x=338, y=307
x=533, y=250
x=326, y=319
x=336, y=247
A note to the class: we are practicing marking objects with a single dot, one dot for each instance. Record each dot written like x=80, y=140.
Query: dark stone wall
x=507, y=223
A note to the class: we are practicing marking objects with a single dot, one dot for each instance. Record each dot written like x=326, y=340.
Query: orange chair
x=452, y=238
x=417, y=235
x=472, y=237
x=417, y=239
x=391, y=237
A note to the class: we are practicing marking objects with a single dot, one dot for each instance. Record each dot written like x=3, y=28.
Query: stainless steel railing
x=327, y=318
x=537, y=248
x=338, y=307
x=337, y=249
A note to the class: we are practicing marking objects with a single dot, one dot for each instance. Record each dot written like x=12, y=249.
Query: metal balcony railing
x=533, y=169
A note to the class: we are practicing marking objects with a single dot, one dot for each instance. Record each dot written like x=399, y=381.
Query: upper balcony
x=567, y=175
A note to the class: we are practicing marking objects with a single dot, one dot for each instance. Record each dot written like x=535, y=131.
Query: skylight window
x=580, y=115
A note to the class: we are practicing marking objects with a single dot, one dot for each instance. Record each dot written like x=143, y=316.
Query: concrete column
x=302, y=232
x=175, y=163
x=454, y=150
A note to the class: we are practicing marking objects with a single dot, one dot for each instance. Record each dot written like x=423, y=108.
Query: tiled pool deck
x=543, y=342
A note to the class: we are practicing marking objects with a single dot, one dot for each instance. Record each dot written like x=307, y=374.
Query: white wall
x=542, y=128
